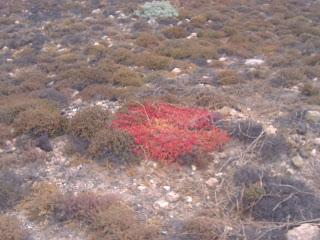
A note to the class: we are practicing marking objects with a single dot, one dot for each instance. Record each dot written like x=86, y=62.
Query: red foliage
x=166, y=132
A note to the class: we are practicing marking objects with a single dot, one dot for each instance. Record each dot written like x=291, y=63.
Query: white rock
x=96, y=11
x=161, y=204
x=222, y=59
x=142, y=188
x=254, y=61
x=167, y=188
x=172, y=196
x=304, y=232
x=194, y=168
x=192, y=35
x=188, y=199
x=271, y=130
x=209, y=61
x=212, y=182
x=314, y=152
x=316, y=141
x=176, y=70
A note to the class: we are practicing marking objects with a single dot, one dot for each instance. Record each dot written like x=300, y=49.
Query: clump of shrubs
x=127, y=77
x=175, y=32
x=40, y=120
x=86, y=123
x=147, y=40
x=157, y=9
x=113, y=146
x=228, y=77
x=11, y=229
x=153, y=61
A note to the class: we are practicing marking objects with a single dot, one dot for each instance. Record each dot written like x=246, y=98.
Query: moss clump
x=175, y=32
x=112, y=146
x=10, y=229
x=228, y=77
x=39, y=120
x=147, y=40
x=154, y=61
x=126, y=77
x=86, y=123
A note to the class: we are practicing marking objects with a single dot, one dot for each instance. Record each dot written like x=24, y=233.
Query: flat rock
x=298, y=161
x=161, y=204
x=254, y=61
x=304, y=232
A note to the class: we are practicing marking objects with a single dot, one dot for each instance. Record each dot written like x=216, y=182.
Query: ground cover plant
x=166, y=132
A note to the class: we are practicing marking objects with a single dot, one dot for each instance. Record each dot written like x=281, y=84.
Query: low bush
x=153, y=61
x=175, y=32
x=11, y=106
x=11, y=229
x=88, y=122
x=228, y=77
x=287, y=77
x=166, y=132
x=147, y=40
x=40, y=120
x=123, y=56
x=40, y=204
x=127, y=77
x=157, y=9
x=113, y=146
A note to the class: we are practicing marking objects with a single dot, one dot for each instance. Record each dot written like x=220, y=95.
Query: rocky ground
x=256, y=63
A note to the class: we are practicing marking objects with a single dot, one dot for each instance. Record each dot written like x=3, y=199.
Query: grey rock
x=313, y=116
x=304, y=232
x=298, y=161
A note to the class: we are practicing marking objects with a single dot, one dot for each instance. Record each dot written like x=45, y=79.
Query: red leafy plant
x=167, y=132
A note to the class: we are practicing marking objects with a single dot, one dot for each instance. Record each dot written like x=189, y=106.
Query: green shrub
x=158, y=9
x=11, y=229
x=86, y=123
x=40, y=120
x=126, y=77
x=112, y=146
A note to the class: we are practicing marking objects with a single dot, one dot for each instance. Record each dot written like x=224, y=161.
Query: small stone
x=167, y=188
x=298, y=161
x=172, y=196
x=314, y=152
x=142, y=188
x=271, y=130
x=254, y=61
x=304, y=232
x=209, y=61
x=96, y=11
x=226, y=111
x=212, y=182
x=194, y=168
x=192, y=35
x=161, y=204
x=222, y=59
x=316, y=141
x=313, y=116
x=188, y=199
x=176, y=71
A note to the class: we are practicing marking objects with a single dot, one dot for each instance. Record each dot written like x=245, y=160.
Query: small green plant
x=158, y=9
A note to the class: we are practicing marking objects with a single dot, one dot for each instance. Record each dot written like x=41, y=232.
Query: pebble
x=254, y=61
x=212, y=182
x=142, y=188
x=176, y=70
x=167, y=188
x=192, y=35
x=298, y=161
x=271, y=130
x=188, y=199
x=172, y=196
x=161, y=204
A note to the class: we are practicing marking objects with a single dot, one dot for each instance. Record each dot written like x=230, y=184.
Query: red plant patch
x=166, y=132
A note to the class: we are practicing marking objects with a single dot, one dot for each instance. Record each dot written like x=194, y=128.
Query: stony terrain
x=67, y=68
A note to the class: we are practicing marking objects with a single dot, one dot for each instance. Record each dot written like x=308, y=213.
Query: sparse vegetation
x=126, y=77
x=11, y=229
x=158, y=9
